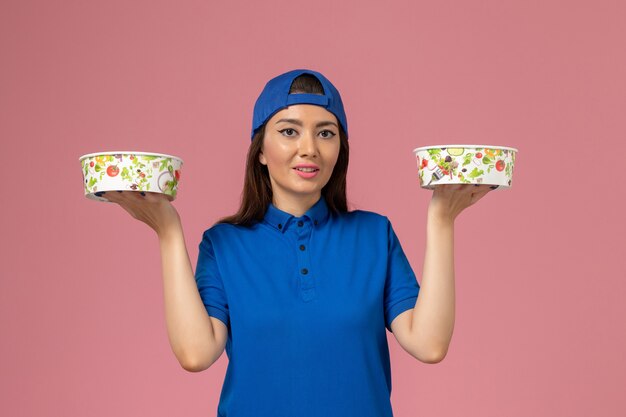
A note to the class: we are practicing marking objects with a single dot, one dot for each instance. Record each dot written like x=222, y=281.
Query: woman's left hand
x=449, y=200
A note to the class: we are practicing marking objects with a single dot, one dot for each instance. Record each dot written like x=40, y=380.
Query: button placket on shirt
x=307, y=282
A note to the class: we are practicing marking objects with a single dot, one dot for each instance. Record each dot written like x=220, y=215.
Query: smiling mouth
x=307, y=170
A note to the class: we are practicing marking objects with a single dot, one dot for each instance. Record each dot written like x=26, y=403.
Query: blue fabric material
x=275, y=97
x=306, y=301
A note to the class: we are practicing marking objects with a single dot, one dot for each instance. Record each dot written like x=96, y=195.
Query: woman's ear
x=262, y=158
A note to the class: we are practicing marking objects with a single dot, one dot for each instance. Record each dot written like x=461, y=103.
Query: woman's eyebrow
x=299, y=123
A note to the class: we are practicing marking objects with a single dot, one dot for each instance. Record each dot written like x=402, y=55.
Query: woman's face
x=300, y=134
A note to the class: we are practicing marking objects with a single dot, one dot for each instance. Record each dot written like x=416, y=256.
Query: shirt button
x=305, y=271
x=280, y=226
x=300, y=223
x=301, y=247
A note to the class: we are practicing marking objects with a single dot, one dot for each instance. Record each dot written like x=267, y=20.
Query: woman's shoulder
x=365, y=216
x=225, y=229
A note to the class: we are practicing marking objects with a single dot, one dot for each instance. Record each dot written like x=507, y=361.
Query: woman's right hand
x=154, y=209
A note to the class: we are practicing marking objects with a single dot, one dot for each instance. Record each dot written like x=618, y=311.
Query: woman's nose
x=308, y=146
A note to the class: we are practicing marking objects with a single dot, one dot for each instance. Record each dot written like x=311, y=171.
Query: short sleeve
x=401, y=286
x=209, y=281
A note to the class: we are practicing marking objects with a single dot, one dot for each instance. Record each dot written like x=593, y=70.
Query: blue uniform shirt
x=306, y=301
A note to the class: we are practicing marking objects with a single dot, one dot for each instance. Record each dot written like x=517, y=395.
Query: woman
x=297, y=289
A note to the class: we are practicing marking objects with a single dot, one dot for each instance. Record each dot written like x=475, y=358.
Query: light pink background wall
x=539, y=268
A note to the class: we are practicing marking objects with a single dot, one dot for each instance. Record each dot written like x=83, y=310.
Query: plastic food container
x=465, y=164
x=130, y=171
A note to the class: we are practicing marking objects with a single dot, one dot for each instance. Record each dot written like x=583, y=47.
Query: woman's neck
x=296, y=205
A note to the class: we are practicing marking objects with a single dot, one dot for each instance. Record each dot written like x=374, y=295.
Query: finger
x=481, y=188
x=126, y=196
x=478, y=195
x=454, y=187
x=133, y=196
x=446, y=187
x=111, y=196
x=122, y=198
x=106, y=195
x=152, y=197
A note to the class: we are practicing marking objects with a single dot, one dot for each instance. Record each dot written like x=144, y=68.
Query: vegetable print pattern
x=465, y=166
x=132, y=172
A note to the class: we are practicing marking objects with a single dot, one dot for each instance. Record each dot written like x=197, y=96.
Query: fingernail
x=142, y=193
x=493, y=187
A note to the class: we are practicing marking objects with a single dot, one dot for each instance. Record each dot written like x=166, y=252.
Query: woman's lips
x=306, y=174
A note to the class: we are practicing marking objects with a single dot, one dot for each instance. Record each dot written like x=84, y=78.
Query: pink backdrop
x=539, y=268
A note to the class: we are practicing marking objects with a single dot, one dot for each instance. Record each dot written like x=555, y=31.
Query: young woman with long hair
x=297, y=289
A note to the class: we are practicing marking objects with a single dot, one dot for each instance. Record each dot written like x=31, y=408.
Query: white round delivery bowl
x=465, y=164
x=130, y=171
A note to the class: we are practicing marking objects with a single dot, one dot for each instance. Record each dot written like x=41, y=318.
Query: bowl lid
x=464, y=146
x=127, y=153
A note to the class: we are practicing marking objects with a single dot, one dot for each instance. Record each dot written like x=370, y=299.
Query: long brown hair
x=257, y=188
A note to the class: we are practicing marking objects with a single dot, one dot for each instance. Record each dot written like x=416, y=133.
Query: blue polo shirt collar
x=318, y=214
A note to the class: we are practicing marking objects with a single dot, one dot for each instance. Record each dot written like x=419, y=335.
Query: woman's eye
x=288, y=129
x=328, y=131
